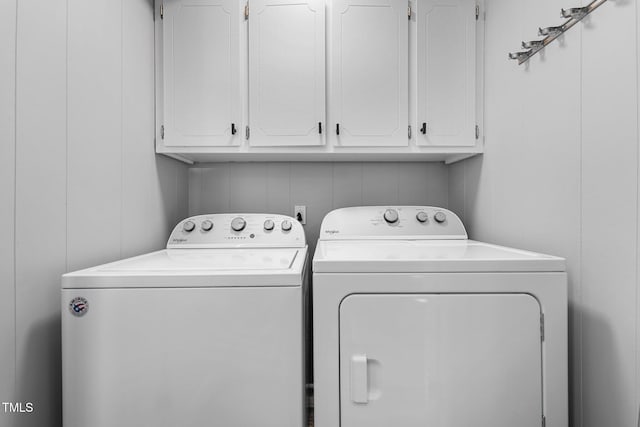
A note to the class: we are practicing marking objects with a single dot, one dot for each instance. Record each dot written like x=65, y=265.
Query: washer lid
x=197, y=267
x=414, y=256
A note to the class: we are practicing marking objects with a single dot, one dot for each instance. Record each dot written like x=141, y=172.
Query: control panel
x=392, y=222
x=237, y=230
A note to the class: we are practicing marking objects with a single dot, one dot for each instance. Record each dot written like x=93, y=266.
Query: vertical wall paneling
x=311, y=185
x=145, y=221
x=380, y=184
x=95, y=130
x=40, y=221
x=7, y=188
x=609, y=215
x=171, y=198
x=637, y=394
x=195, y=189
x=416, y=182
x=457, y=189
x=278, y=186
x=214, y=188
x=248, y=187
x=80, y=180
x=178, y=205
x=347, y=184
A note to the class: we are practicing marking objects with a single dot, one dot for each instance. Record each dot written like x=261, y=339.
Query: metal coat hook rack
x=573, y=16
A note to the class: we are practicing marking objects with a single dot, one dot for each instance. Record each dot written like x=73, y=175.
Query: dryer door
x=440, y=360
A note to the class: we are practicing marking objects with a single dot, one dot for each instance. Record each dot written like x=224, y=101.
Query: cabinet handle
x=233, y=128
x=423, y=129
x=337, y=128
x=320, y=128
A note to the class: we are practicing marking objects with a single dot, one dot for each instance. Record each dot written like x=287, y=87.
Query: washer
x=206, y=332
x=415, y=325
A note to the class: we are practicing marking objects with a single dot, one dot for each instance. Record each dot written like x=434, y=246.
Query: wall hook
x=574, y=12
x=520, y=56
x=533, y=44
x=551, y=31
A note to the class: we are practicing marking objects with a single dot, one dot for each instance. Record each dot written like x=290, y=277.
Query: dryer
x=416, y=325
x=208, y=331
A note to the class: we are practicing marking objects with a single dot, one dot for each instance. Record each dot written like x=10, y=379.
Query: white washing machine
x=208, y=332
x=415, y=325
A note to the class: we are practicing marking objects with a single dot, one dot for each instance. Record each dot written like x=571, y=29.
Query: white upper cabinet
x=286, y=72
x=369, y=73
x=446, y=73
x=200, y=73
x=318, y=80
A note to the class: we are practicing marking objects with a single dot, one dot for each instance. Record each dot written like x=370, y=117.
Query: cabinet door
x=446, y=72
x=440, y=360
x=369, y=82
x=286, y=72
x=201, y=72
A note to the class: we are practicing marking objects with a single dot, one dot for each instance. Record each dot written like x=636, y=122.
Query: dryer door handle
x=359, y=379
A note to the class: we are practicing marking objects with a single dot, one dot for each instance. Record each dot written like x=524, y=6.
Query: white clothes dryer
x=208, y=332
x=415, y=325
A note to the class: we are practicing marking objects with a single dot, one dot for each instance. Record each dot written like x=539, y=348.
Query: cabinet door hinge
x=409, y=133
x=161, y=10
x=409, y=11
x=477, y=12
x=162, y=132
x=246, y=11
x=246, y=133
x=477, y=132
x=541, y=326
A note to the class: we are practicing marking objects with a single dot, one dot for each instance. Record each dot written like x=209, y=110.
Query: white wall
x=79, y=180
x=560, y=175
x=321, y=187
x=7, y=185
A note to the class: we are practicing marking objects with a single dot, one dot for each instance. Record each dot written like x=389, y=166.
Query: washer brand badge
x=332, y=231
x=78, y=306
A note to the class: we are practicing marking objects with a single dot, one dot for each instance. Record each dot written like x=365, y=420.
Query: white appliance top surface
x=197, y=268
x=409, y=256
x=210, y=260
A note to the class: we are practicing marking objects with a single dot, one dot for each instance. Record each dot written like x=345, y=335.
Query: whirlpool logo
x=79, y=306
x=332, y=231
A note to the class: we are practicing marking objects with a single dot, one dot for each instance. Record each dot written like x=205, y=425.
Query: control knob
x=269, y=225
x=391, y=216
x=422, y=217
x=189, y=226
x=286, y=225
x=440, y=217
x=206, y=225
x=238, y=224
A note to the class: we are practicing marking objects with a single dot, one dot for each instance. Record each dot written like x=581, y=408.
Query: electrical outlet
x=300, y=213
